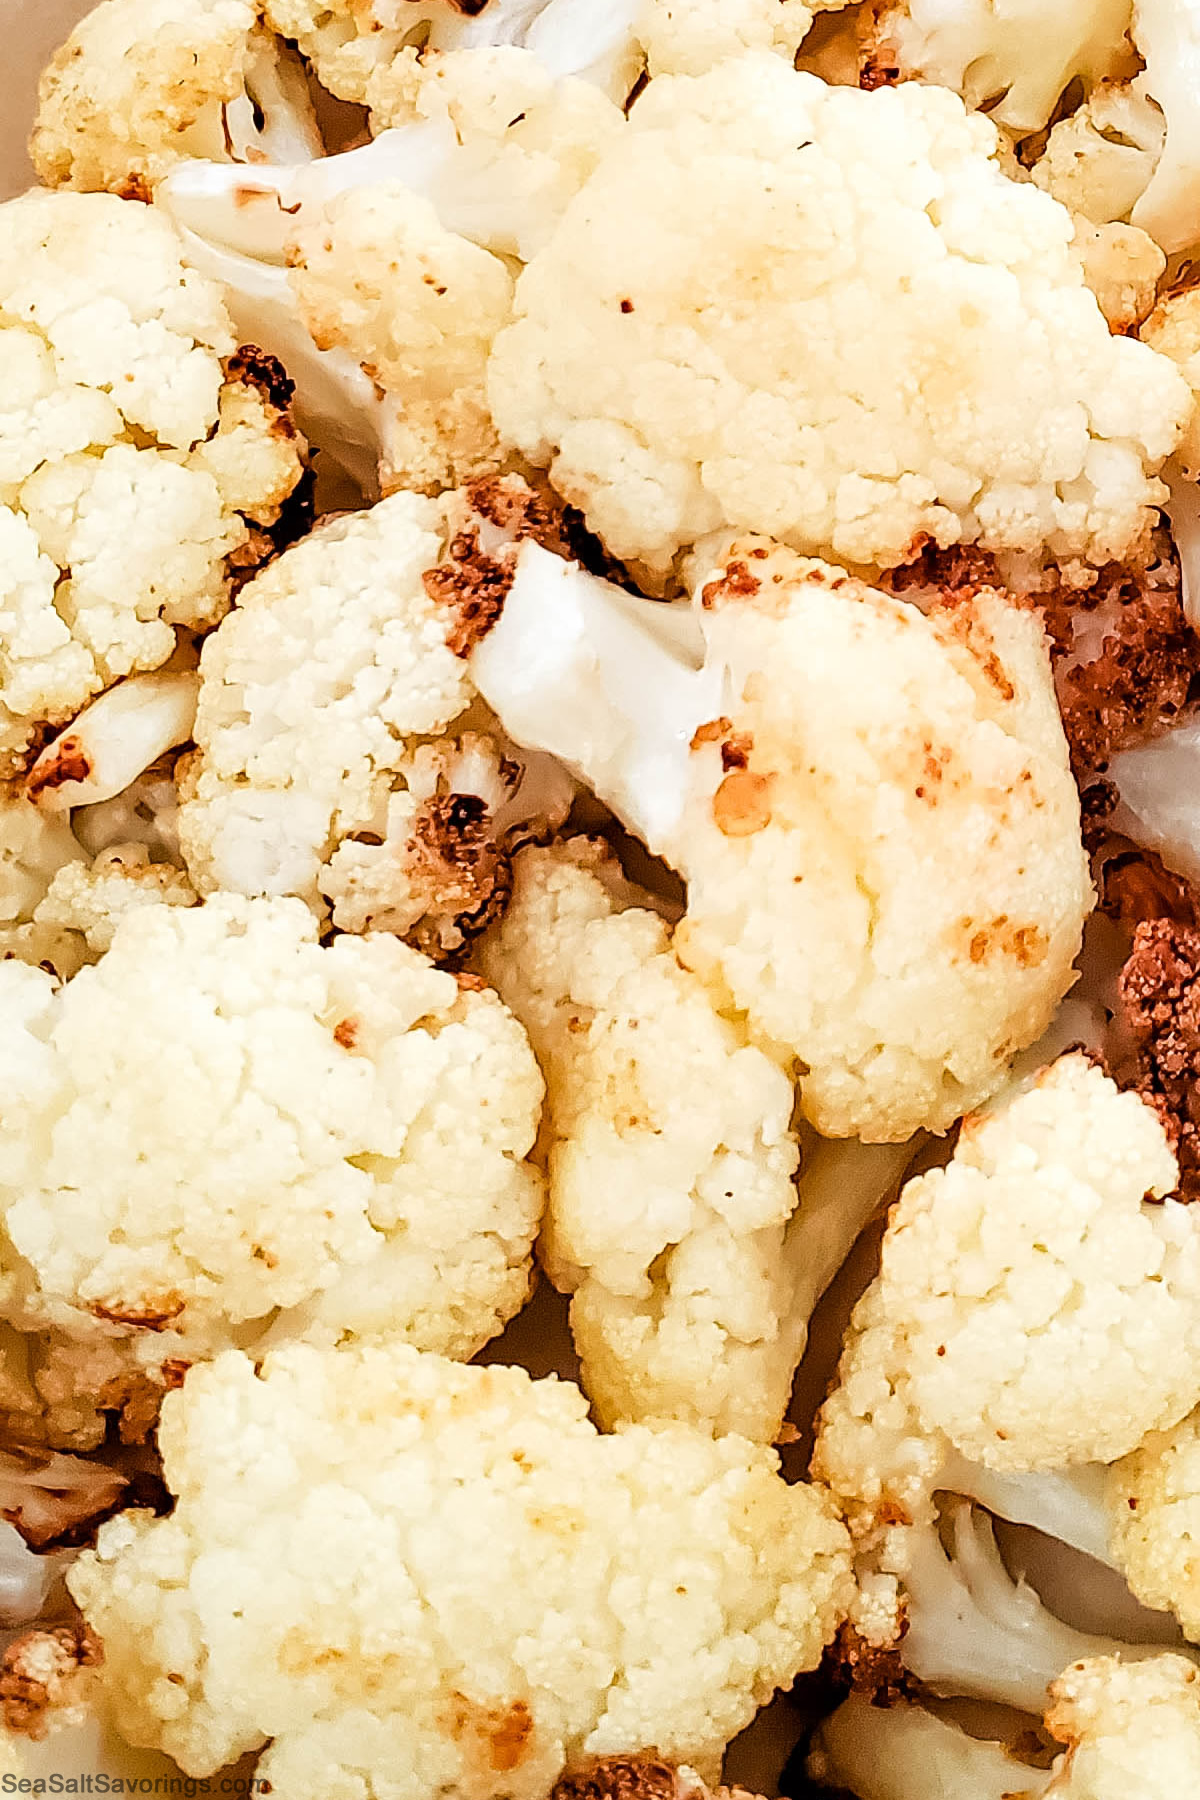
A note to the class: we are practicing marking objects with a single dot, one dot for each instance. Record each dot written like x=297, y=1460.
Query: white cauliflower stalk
x=314, y=774
x=672, y=1216
x=504, y=1593
x=142, y=84
x=1015, y=58
x=1128, y=1730
x=767, y=745
x=351, y=1149
x=757, y=207
x=140, y=460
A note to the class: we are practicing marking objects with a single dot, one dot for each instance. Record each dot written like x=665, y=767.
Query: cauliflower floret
x=355, y=45
x=130, y=462
x=142, y=84
x=34, y=849
x=351, y=1147
x=1154, y=1521
x=1014, y=57
x=1098, y=161
x=1122, y=266
x=688, y=351
x=417, y=306
x=310, y=777
x=687, y=37
x=504, y=1593
x=1130, y=1730
x=93, y=898
x=806, y=751
x=1046, y=1246
x=1173, y=329
x=671, y=1161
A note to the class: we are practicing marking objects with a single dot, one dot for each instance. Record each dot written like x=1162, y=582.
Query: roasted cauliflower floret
x=688, y=37
x=505, y=1595
x=768, y=745
x=672, y=1214
x=688, y=351
x=1153, y=1502
x=142, y=84
x=350, y=1150
x=135, y=467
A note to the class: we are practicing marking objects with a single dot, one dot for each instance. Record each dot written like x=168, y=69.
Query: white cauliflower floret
x=351, y=1144
x=688, y=351
x=1173, y=329
x=672, y=1208
x=1153, y=1511
x=93, y=898
x=833, y=751
x=1099, y=159
x=310, y=775
x=1044, y=1251
x=687, y=37
x=377, y=276
x=1015, y=58
x=1130, y=1730
x=130, y=459
x=503, y=1592
x=354, y=45
x=142, y=84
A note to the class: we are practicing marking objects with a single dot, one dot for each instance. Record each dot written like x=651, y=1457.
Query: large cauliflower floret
x=314, y=774
x=1014, y=57
x=671, y=1161
x=1129, y=1730
x=504, y=1594
x=807, y=752
x=141, y=84
x=688, y=352
x=348, y=1145
x=135, y=466
x=1046, y=1249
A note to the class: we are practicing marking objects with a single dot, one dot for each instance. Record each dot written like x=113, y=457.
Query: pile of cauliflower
x=600, y=902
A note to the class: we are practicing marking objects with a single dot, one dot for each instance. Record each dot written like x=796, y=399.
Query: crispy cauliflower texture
x=312, y=692
x=826, y=314
x=223, y=1118
x=136, y=453
x=867, y=747
x=1045, y=1251
x=504, y=1594
x=671, y=1161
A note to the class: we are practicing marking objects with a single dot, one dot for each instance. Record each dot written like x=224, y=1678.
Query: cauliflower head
x=806, y=751
x=1016, y=58
x=324, y=766
x=223, y=1119
x=825, y=314
x=504, y=1593
x=143, y=84
x=141, y=461
x=1046, y=1251
x=671, y=1162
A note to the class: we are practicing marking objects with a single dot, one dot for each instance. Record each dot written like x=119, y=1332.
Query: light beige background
x=29, y=31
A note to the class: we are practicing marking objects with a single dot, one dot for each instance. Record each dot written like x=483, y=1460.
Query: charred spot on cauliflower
x=1160, y=990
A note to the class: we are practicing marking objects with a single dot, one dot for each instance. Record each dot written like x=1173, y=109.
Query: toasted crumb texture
x=1160, y=990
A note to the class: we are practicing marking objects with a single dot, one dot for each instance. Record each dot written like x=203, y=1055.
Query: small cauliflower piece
x=1044, y=1250
x=93, y=898
x=1129, y=1730
x=1014, y=58
x=136, y=474
x=1099, y=159
x=806, y=752
x=672, y=1217
x=505, y=1594
x=1153, y=1503
x=687, y=354
x=1173, y=329
x=351, y=1149
x=1122, y=265
x=142, y=84
x=379, y=278
x=688, y=37
x=311, y=776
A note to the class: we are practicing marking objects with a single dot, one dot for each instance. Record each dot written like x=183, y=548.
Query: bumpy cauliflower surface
x=1129, y=1730
x=138, y=455
x=687, y=37
x=223, y=1118
x=871, y=808
x=1153, y=1500
x=501, y=1593
x=826, y=314
x=324, y=767
x=141, y=84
